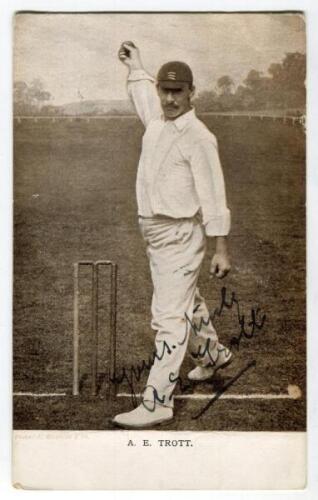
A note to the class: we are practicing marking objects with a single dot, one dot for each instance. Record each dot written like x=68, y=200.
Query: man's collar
x=184, y=119
x=181, y=122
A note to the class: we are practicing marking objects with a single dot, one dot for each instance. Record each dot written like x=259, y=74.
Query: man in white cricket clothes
x=181, y=201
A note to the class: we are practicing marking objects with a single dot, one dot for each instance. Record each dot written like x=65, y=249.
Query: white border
x=7, y=9
x=171, y=460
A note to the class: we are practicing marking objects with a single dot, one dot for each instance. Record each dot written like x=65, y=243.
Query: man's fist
x=220, y=265
x=129, y=54
x=125, y=49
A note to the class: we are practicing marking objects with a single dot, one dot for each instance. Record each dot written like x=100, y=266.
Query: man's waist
x=168, y=218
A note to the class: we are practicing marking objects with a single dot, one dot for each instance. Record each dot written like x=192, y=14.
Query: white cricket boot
x=201, y=373
x=142, y=417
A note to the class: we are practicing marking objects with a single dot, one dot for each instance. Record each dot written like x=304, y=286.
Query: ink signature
x=247, y=328
x=133, y=373
x=224, y=388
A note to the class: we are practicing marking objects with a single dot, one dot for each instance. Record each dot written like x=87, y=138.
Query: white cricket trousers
x=175, y=248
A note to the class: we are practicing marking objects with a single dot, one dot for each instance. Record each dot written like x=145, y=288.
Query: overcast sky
x=72, y=53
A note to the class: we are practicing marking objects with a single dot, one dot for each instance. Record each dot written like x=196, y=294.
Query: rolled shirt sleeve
x=141, y=90
x=210, y=188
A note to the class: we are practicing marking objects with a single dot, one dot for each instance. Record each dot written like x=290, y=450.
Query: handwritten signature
x=224, y=388
x=248, y=327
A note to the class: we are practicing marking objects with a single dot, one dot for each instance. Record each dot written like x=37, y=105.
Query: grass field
x=75, y=199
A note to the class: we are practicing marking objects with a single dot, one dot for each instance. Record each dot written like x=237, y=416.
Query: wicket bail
x=111, y=388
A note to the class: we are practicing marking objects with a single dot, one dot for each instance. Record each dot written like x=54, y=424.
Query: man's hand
x=130, y=56
x=220, y=263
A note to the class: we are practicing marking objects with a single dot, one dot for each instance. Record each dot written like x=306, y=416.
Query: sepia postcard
x=159, y=325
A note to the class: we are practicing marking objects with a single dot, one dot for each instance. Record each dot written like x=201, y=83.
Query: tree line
x=30, y=99
x=281, y=88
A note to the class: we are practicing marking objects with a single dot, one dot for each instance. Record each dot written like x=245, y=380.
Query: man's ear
x=157, y=87
x=192, y=92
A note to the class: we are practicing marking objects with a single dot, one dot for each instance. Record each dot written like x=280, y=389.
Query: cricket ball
x=127, y=52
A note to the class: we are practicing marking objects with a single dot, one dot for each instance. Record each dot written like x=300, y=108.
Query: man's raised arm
x=141, y=86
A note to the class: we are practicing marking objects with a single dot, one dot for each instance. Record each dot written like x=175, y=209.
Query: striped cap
x=174, y=73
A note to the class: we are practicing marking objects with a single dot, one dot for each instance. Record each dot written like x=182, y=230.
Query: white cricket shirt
x=179, y=171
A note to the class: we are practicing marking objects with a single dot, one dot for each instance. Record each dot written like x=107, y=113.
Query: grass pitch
x=74, y=199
